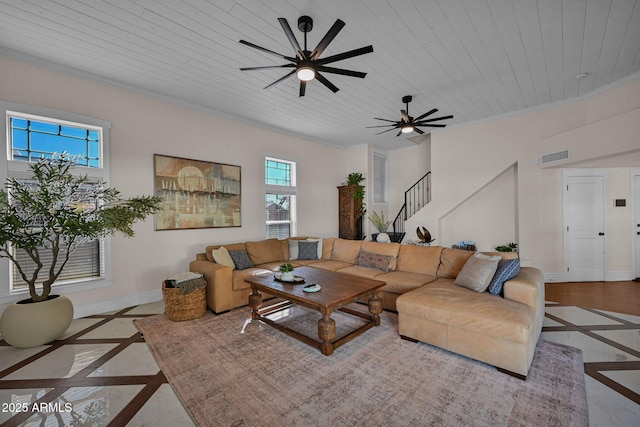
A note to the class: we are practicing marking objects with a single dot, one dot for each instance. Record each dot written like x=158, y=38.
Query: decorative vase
x=383, y=238
x=287, y=276
x=26, y=324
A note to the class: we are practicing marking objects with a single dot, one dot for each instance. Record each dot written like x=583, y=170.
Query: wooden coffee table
x=338, y=290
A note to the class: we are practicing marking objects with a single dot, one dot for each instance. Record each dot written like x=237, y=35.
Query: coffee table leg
x=375, y=308
x=255, y=302
x=327, y=333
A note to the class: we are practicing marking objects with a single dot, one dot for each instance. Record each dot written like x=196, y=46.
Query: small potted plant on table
x=287, y=272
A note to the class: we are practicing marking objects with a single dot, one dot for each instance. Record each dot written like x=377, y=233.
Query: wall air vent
x=559, y=156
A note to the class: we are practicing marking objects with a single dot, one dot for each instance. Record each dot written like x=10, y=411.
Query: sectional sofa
x=423, y=284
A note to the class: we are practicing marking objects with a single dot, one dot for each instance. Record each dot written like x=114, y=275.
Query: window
x=34, y=138
x=34, y=133
x=280, y=198
x=379, y=178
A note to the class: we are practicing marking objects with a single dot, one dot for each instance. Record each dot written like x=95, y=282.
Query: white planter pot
x=287, y=277
x=383, y=238
x=26, y=325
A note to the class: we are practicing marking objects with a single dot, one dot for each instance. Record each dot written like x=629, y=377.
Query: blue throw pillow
x=241, y=259
x=307, y=250
x=507, y=269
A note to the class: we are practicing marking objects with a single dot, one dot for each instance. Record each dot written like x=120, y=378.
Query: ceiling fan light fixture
x=306, y=73
x=407, y=128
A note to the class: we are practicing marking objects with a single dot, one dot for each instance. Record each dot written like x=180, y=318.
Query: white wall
x=142, y=126
x=600, y=131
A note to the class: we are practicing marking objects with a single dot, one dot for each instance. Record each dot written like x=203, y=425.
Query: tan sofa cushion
x=332, y=265
x=240, y=275
x=458, y=307
x=400, y=282
x=369, y=273
x=346, y=250
x=419, y=259
x=451, y=262
x=221, y=256
x=327, y=247
x=264, y=251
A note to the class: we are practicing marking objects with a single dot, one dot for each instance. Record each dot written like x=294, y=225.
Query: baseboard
x=617, y=276
x=554, y=277
x=83, y=310
x=610, y=276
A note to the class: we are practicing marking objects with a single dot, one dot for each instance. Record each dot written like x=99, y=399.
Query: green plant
x=379, y=221
x=354, y=179
x=287, y=267
x=54, y=212
x=510, y=247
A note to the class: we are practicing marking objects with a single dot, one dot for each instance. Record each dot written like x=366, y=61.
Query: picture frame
x=196, y=193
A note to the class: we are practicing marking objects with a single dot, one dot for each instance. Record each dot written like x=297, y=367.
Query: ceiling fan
x=409, y=124
x=306, y=64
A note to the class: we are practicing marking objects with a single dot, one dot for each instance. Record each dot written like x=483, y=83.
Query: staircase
x=418, y=195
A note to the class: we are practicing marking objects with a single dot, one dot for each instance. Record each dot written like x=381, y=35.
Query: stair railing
x=415, y=198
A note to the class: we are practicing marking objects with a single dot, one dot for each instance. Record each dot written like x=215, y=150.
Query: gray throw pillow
x=478, y=272
x=241, y=259
x=307, y=250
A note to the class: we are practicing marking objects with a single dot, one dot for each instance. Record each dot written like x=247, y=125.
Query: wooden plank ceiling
x=475, y=59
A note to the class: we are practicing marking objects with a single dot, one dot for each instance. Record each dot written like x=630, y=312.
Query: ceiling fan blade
x=345, y=55
x=405, y=116
x=326, y=82
x=280, y=79
x=268, y=67
x=333, y=31
x=418, y=130
x=303, y=87
x=428, y=113
x=431, y=126
x=381, y=126
x=292, y=38
x=436, y=119
x=342, y=71
x=255, y=46
x=386, y=120
x=386, y=130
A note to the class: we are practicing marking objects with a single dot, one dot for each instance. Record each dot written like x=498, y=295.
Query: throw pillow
x=241, y=259
x=307, y=250
x=222, y=257
x=372, y=260
x=319, y=246
x=507, y=269
x=478, y=272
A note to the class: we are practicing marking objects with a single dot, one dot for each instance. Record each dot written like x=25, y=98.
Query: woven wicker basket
x=179, y=307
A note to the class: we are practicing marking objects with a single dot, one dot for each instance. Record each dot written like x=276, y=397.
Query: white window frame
x=21, y=169
x=380, y=185
x=290, y=190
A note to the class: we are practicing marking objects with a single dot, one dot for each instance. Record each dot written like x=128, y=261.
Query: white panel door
x=636, y=222
x=584, y=203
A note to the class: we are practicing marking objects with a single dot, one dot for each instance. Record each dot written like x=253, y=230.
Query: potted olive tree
x=48, y=216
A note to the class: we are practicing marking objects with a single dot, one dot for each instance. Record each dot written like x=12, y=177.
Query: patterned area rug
x=229, y=371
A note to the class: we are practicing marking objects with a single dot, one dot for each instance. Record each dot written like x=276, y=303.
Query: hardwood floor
x=621, y=297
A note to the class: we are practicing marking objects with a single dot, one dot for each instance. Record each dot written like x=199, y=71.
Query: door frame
x=635, y=272
x=566, y=173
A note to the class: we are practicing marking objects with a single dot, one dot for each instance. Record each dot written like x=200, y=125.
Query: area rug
x=230, y=371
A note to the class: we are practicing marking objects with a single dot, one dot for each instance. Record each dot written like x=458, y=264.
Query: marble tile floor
x=102, y=373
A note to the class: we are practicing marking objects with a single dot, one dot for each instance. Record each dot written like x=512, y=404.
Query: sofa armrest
x=527, y=288
x=219, y=284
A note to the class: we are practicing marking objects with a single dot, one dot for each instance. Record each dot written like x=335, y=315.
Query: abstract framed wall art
x=196, y=193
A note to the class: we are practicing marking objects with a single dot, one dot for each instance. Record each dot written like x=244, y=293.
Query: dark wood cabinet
x=349, y=218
